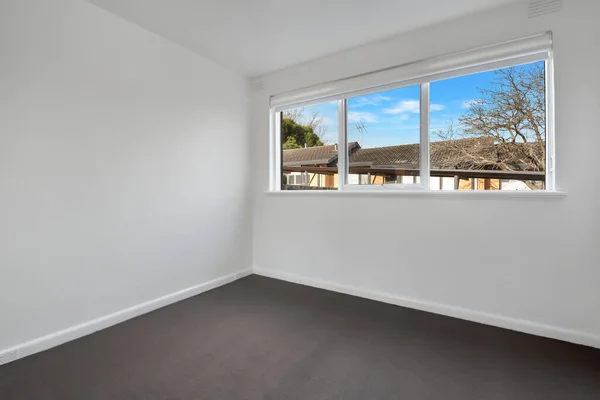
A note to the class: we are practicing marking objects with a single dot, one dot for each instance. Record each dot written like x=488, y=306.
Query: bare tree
x=295, y=114
x=509, y=123
x=313, y=121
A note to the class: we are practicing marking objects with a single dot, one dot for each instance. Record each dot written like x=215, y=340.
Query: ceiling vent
x=537, y=8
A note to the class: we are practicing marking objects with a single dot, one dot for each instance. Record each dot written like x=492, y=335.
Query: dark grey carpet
x=260, y=338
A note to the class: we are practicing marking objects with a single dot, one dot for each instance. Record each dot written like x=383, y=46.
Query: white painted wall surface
x=123, y=167
x=529, y=261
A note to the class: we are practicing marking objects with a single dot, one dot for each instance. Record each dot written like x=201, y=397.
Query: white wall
x=548, y=282
x=123, y=167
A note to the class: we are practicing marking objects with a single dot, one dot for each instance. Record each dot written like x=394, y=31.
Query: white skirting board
x=75, y=332
x=520, y=325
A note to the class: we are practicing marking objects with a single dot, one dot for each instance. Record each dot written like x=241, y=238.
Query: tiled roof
x=313, y=155
x=442, y=153
x=390, y=155
x=445, y=152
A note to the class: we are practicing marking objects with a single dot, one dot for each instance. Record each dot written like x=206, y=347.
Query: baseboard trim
x=66, y=335
x=520, y=325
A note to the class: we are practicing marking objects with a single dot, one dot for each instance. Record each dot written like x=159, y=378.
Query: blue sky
x=392, y=117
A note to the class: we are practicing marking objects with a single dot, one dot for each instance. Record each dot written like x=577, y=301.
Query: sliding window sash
x=424, y=162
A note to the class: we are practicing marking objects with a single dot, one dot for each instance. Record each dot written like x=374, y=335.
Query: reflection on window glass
x=309, y=149
x=383, y=137
x=491, y=134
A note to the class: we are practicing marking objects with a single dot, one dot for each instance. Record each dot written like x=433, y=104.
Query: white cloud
x=356, y=116
x=411, y=106
x=371, y=100
x=405, y=106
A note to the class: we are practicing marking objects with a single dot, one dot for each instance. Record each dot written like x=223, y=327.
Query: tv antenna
x=362, y=129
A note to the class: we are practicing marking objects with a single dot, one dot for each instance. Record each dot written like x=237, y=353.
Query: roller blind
x=519, y=51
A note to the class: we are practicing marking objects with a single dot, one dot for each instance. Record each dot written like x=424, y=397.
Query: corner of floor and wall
x=530, y=265
x=134, y=174
x=124, y=170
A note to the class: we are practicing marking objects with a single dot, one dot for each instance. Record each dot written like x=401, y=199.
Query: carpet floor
x=260, y=338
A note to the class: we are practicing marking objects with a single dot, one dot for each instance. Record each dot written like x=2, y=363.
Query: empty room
x=290, y=200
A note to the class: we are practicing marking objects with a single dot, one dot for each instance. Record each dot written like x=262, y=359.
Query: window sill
x=463, y=194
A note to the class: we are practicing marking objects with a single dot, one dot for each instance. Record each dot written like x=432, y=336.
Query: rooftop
x=469, y=153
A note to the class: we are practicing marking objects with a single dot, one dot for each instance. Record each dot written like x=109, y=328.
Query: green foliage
x=291, y=143
x=296, y=136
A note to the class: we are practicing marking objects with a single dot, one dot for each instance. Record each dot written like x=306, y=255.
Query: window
x=480, y=120
x=383, y=137
x=309, y=153
x=297, y=179
x=492, y=133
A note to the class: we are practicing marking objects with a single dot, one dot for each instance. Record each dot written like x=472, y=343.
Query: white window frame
x=517, y=52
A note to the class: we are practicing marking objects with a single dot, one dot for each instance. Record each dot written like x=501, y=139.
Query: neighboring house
x=462, y=164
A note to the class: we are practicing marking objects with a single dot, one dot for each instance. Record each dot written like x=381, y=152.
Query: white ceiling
x=255, y=37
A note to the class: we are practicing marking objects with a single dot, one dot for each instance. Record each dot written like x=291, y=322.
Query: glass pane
x=383, y=137
x=491, y=134
x=309, y=149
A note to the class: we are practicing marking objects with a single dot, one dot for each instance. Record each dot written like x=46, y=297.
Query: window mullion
x=342, y=144
x=424, y=162
x=550, y=179
x=276, y=159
